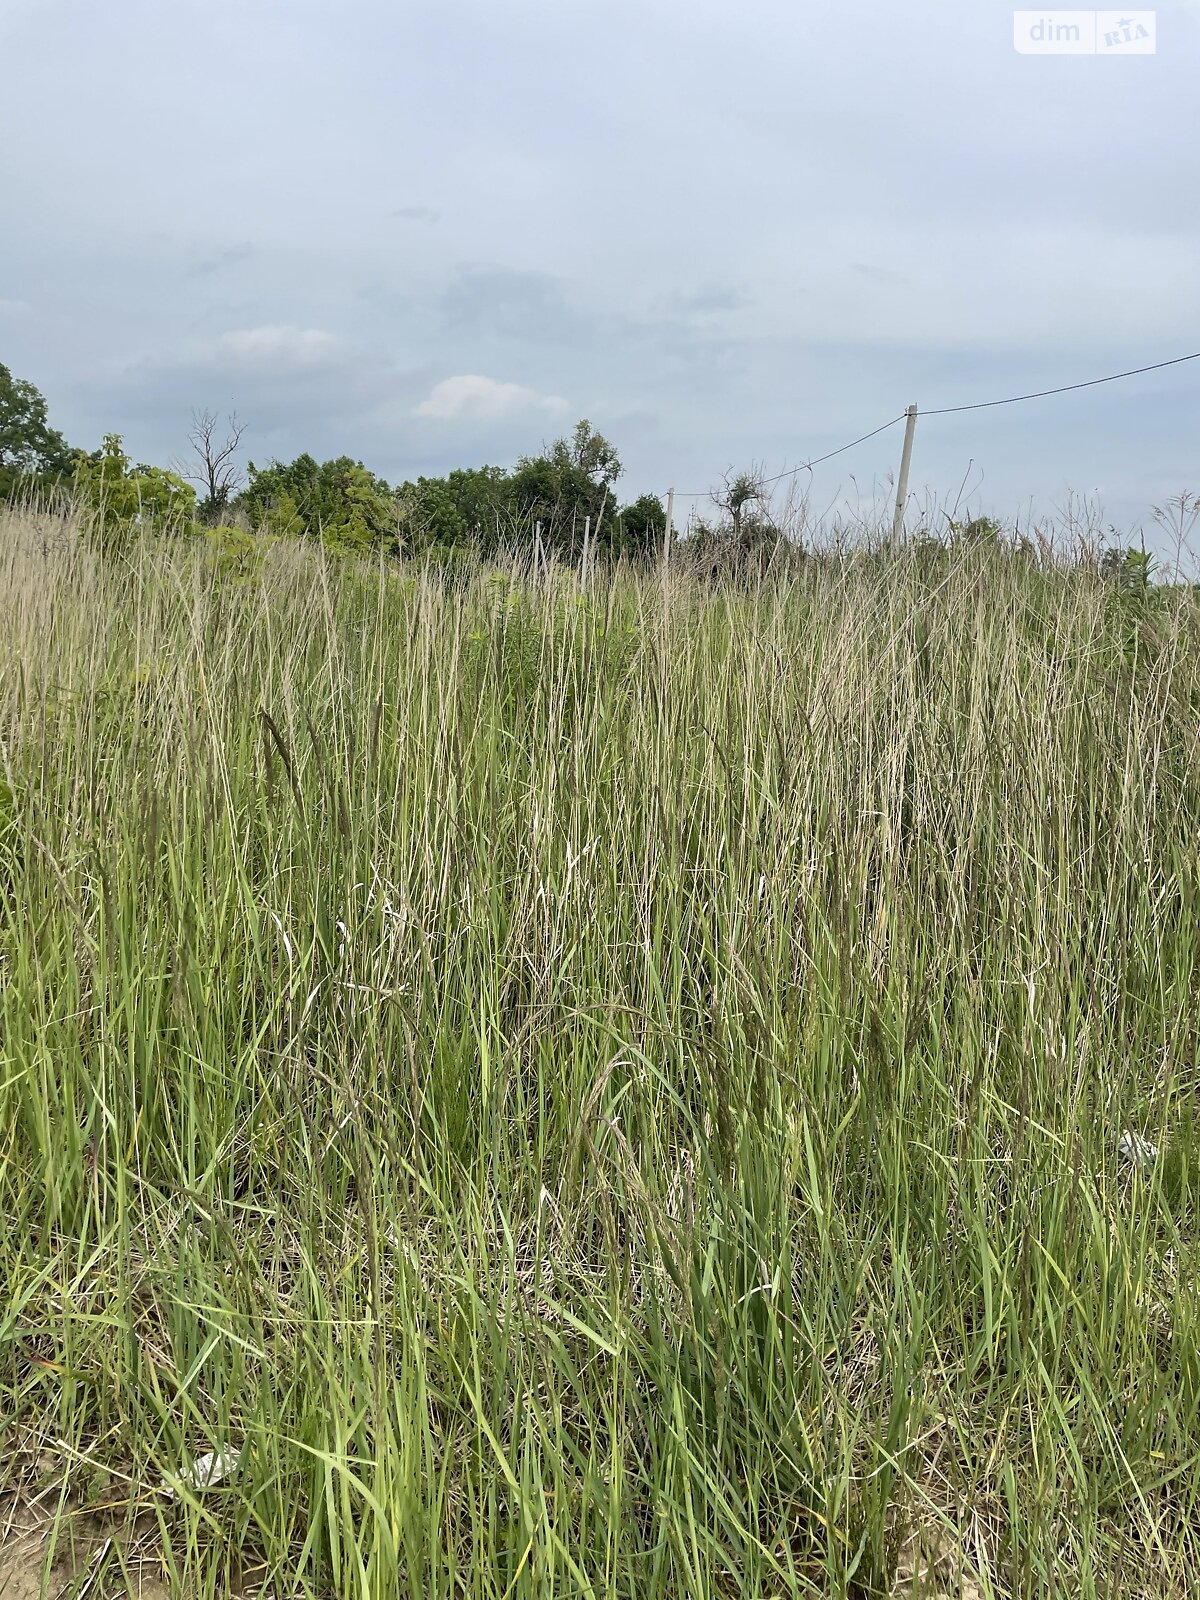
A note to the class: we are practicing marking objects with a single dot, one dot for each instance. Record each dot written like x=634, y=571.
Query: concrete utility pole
x=667, y=530
x=910, y=427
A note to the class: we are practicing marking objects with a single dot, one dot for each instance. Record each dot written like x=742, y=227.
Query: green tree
x=572, y=481
x=744, y=538
x=338, y=501
x=29, y=447
x=638, y=530
x=122, y=496
x=470, y=504
x=741, y=499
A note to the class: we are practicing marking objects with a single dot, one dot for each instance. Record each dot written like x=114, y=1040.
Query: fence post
x=667, y=529
x=583, y=566
x=910, y=427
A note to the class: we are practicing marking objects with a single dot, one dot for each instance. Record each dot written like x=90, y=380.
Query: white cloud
x=276, y=347
x=475, y=398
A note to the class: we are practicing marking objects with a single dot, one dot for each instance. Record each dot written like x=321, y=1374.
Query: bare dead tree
x=214, y=467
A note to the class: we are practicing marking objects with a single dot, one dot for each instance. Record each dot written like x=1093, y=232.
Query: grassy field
x=608, y=1094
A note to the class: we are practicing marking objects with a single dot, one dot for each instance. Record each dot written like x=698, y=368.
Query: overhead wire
x=946, y=411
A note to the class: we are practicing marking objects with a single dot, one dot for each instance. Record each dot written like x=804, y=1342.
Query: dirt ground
x=98, y=1559
x=89, y=1558
x=92, y=1557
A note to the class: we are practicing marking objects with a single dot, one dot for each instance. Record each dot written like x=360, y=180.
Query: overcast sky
x=435, y=235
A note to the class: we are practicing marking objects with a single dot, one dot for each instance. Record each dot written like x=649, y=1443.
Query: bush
x=235, y=552
x=121, y=496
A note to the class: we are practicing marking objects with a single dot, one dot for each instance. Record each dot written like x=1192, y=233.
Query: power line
x=791, y=473
x=983, y=405
x=702, y=494
x=945, y=411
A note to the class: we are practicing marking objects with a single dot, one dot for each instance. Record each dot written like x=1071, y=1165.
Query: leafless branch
x=215, y=469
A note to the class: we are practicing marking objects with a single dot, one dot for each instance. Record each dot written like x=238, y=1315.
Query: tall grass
x=602, y=1095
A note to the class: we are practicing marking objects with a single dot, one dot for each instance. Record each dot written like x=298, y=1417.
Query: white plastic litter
x=1134, y=1148
x=205, y=1471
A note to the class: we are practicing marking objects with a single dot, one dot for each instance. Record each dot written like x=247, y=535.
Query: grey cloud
x=211, y=265
x=875, y=274
x=707, y=299
x=506, y=302
x=541, y=315
x=382, y=296
x=417, y=214
x=273, y=374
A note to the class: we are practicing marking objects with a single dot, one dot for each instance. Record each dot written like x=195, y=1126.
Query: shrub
x=121, y=496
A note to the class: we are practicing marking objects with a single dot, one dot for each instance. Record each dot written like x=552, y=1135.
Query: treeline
x=562, y=498
x=556, y=504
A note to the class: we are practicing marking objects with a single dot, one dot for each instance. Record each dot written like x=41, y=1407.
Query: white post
x=670, y=520
x=910, y=428
x=537, y=552
x=603, y=509
x=583, y=566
